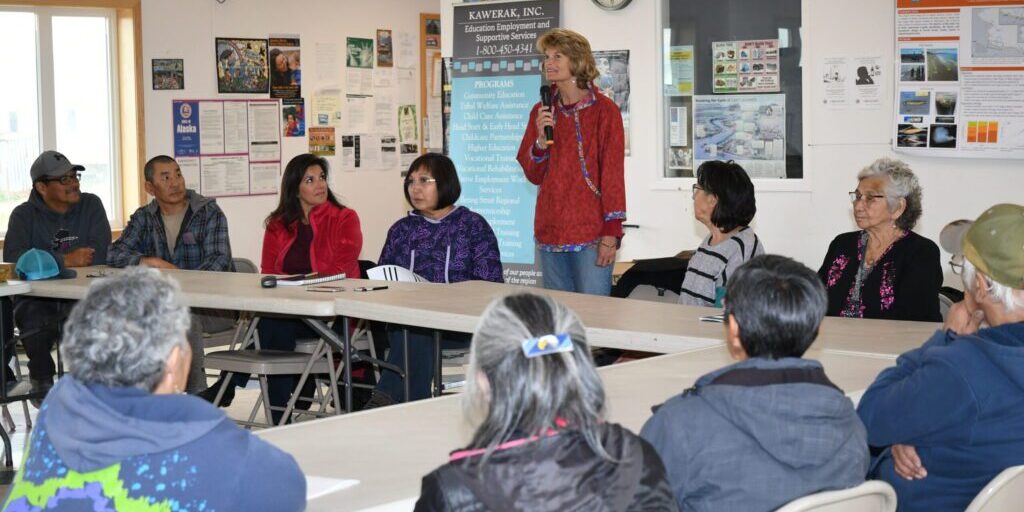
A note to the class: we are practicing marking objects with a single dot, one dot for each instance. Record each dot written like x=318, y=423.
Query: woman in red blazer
x=309, y=231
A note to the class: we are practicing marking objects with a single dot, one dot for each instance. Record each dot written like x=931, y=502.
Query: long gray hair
x=528, y=396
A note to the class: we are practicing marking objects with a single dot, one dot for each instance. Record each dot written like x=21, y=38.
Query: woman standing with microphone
x=579, y=168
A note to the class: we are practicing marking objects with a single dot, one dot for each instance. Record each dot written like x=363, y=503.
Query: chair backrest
x=870, y=496
x=1004, y=492
x=245, y=265
x=947, y=297
x=944, y=304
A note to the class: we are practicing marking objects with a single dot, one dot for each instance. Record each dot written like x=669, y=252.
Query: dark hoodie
x=101, y=448
x=559, y=472
x=34, y=225
x=758, y=434
x=959, y=400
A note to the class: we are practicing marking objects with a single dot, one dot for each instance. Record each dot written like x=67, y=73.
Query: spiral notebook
x=304, y=279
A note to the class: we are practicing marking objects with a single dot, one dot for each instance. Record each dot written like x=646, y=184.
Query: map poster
x=960, y=78
x=745, y=66
x=747, y=128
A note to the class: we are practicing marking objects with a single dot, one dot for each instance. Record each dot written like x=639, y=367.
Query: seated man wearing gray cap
x=950, y=412
x=69, y=224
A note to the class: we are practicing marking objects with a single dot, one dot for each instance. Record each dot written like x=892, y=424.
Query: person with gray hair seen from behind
x=116, y=432
x=949, y=413
x=771, y=427
x=884, y=270
x=541, y=442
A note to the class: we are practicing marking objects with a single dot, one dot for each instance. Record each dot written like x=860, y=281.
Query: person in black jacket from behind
x=541, y=442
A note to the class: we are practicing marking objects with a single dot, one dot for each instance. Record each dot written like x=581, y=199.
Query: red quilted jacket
x=337, y=241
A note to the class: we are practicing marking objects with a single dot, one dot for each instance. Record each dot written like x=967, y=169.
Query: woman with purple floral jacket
x=885, y=270
x=443, y=243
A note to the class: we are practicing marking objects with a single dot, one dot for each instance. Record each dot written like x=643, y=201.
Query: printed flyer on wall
x=679, y=71
x=745, y=66
x=228, y=147
x=747, y=128
x=960, y=78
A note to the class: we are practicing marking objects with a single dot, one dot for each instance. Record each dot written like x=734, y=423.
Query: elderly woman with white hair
x=541, y=442
x=884, y=270
x=117, y=432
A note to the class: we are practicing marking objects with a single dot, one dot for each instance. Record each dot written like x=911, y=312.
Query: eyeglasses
x=956, y=264
x=421, y=182
x=868, y=198
x=67, y=179
x=695, y=188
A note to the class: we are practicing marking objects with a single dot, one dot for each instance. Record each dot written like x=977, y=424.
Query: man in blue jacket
x=772, y=427
x=177, y=229
x=69, y=224
x=952, y=412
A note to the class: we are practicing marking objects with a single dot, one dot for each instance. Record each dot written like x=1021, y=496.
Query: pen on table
x=369, y=288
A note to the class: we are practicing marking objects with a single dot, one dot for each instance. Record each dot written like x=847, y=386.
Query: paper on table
x=405, y=505
x=317, y=486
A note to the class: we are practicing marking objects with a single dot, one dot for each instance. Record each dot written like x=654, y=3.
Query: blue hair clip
x=547, y=344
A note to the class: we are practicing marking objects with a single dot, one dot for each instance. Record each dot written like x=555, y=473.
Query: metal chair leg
x=439, y=384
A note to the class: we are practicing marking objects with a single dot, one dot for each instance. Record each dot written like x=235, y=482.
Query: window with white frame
x=59, y=91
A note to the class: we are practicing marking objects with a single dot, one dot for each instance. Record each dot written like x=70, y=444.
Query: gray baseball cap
x=51, y=164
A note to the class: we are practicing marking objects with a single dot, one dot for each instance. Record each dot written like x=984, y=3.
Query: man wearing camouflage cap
x=69, y=224
x=951, y=411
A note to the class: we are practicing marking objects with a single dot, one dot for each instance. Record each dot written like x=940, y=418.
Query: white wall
x=798, y=224
x=187, y=28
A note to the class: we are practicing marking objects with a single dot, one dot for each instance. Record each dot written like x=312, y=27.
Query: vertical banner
x=496, y=75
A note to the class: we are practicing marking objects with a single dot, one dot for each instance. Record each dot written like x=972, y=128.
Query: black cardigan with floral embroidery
x=903, y=285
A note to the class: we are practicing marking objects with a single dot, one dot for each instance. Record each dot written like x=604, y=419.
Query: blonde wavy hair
x=577, y=48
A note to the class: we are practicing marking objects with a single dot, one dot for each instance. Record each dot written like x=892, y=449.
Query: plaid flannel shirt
x=202, y=243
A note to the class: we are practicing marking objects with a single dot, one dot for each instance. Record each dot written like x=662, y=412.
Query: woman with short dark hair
x=541, y=440
x=723, y=200
x=443, y=243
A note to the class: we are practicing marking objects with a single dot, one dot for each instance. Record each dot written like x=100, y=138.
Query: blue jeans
x=575, y=272
x=421, y=360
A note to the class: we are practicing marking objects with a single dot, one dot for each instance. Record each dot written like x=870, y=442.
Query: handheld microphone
x=545, y=100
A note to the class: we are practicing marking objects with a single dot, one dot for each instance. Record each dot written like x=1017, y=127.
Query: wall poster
x=960, y=78
x=228, y=147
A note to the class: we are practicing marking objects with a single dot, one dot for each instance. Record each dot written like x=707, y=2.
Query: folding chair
x=1004, y=492
x=870, y=496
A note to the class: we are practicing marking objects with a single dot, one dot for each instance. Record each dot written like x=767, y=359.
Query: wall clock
x=611, y=5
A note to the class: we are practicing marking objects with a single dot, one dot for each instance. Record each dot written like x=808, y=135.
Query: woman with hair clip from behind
x=541, y=442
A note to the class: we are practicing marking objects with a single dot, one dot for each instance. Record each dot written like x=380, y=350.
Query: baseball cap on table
x=994, y=243
x=52, y=164
x=37, y=264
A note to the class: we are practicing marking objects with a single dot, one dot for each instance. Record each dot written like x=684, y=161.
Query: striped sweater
x=711, y=266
